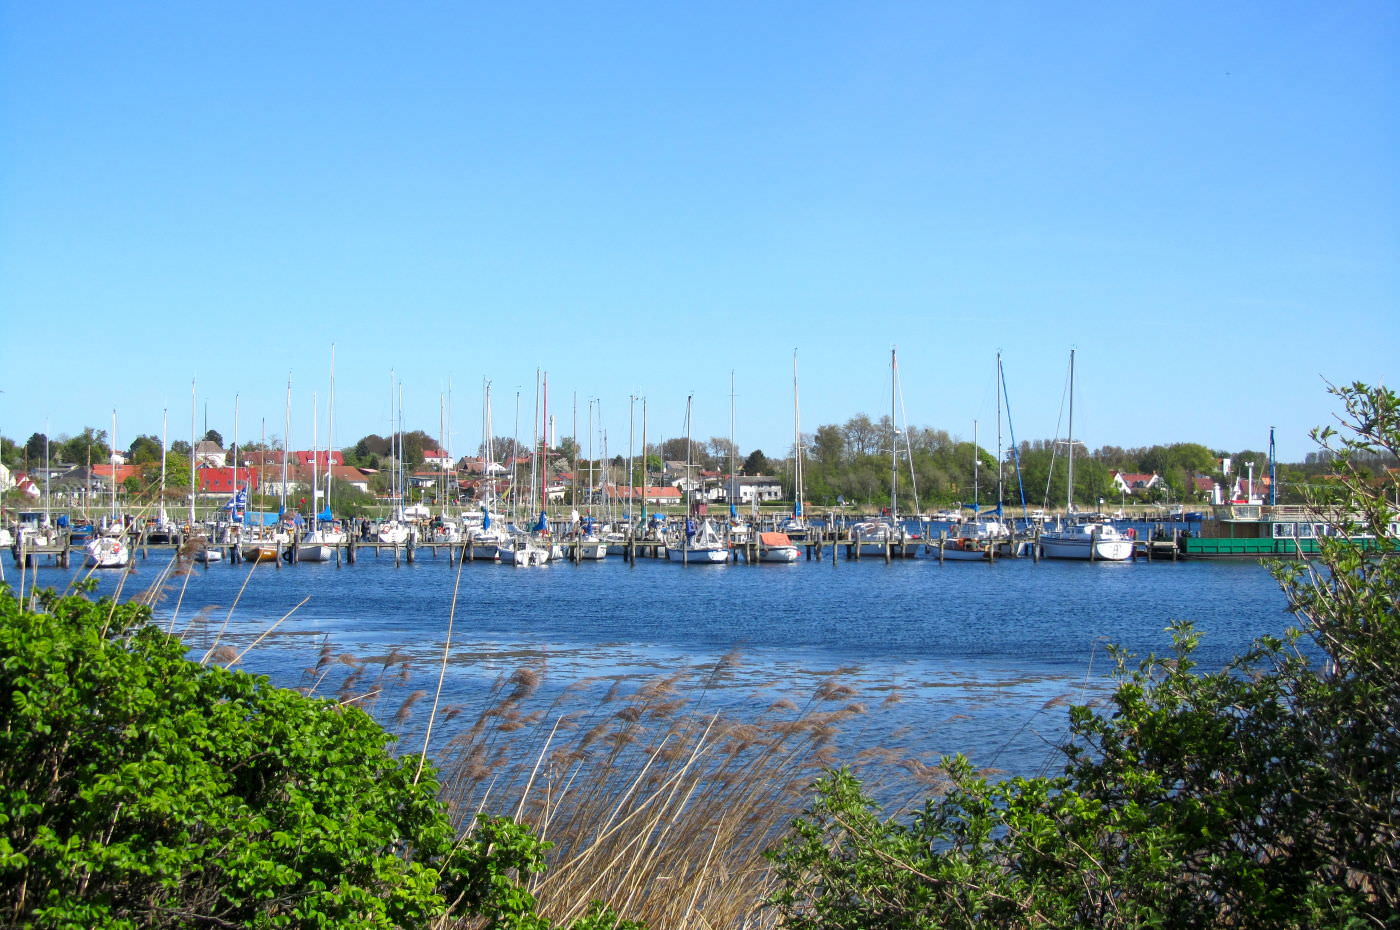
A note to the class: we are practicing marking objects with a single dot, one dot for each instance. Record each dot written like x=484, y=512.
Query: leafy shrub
x=139, y=789
x=1262, y=795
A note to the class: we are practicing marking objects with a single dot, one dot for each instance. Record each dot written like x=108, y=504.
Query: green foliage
x=139, y=789
x=143, y=449
x=1266, y=794
x=35, y=448
x=11, y=453
x=88, y=446
x=756, y=464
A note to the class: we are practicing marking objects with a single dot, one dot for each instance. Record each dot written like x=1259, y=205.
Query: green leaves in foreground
x=1265, y=795
x=138, y=789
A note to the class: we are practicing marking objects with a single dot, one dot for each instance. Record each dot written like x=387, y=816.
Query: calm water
x=982, y=657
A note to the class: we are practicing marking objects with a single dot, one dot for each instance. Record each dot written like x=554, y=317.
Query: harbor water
x=975, y=658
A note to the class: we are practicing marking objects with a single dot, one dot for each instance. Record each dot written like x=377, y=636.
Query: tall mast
x=631, y=426
x=894, y=443
x=315, y=456
x=733, y=453
x=164, y=427
x=590, y=457
x=1069, y=490
x=644, y=460
x=112, y=464
x=796, y=443
x=235, y=458
x=194, y=409
x=330, y=431
x=544, y=444
x=286, y=439
x=999, y=449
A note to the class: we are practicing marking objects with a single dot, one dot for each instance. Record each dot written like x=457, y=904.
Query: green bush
x=1262, y=795
x=139, y=789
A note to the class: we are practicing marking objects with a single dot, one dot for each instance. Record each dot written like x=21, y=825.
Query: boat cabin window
x=1283, y=531
x=1305, y=530
x=1393, y=530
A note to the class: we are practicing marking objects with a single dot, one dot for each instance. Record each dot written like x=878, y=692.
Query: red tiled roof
x=123, y=471
x=222, y=481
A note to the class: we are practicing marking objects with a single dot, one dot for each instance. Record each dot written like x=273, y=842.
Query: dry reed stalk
x=661, y=810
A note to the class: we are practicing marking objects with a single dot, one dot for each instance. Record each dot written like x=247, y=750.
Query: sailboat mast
x=631, y=426
x=894, y=443
x=1069, y=488
x=796, y=443
x=164, y=426
x=235, y=457
x=644, y=461
x=999, y=448
x=194, y=408
x=315, y=455
x=286, y=439
x=733, y=452
x=112, y=464
x=330, y=431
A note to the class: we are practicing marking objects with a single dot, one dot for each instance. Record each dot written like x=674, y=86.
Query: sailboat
x=395, y=531
x=701, y=543
x=1093, y=541
x=877, y=537
x=591, y=545
x=265, y=545
x=981, y=538
x=196, y=538
x=485, y=530
x=796, y=526
x=314, y=545
x=109, y=549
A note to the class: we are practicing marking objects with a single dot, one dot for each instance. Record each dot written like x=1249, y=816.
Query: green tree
x=828, y=446
x=1263, y=795
x=215, y=437
x=756, y=463
x=569, y=448
x=35, y=448
x=88, y=446
x=143, y=449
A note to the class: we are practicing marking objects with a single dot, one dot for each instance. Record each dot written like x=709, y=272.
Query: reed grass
x=659, y=796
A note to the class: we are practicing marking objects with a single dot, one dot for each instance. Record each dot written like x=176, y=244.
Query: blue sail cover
x=485, y=518
x=797, y=509
x=542, y=524
x=325, y=515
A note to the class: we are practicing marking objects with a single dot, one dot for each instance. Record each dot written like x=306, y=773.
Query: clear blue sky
x=1203, y=198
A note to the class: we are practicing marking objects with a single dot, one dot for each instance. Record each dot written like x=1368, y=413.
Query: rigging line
x=1055, y=443
x=1011, y=427
x=908, y=445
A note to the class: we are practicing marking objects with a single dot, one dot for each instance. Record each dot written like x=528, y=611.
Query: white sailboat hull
x=1085, y=544
x=704, y=556
x=108, y=552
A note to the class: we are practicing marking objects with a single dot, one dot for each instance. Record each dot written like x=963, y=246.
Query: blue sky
x=639, y=199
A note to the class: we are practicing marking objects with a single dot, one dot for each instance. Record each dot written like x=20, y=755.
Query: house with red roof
x=218, y=482
x=651, y=495
x=1135, y=482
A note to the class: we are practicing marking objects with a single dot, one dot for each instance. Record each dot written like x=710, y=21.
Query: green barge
x=1262, y=531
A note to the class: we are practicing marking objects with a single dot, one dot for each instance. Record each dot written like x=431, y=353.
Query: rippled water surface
x=982, y=657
